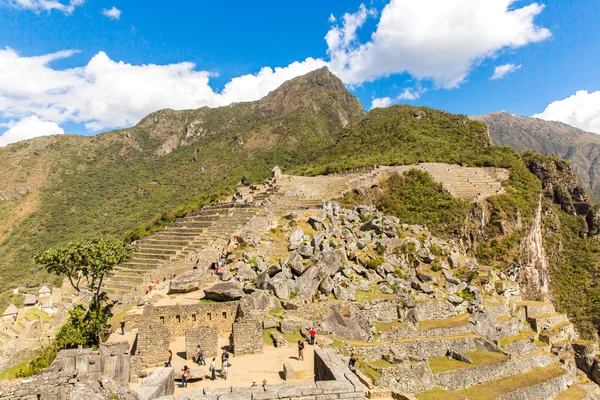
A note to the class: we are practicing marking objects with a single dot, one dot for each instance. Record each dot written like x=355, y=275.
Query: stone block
x=289, y=372
x=236, y=396
x=217, y=391
x=327, y=397
x=206, y=337
x=265, y=395
x=287, y=326
x=290, y=392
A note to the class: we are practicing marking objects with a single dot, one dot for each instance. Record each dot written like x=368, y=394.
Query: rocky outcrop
x=187, y=282
x=224, y=291
x=346, y=321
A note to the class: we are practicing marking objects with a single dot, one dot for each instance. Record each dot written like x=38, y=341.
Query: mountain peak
x=313, y=90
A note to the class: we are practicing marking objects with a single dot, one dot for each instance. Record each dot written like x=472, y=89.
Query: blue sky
x=115, y=67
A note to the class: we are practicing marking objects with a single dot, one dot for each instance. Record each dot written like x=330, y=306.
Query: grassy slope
x=115, y=184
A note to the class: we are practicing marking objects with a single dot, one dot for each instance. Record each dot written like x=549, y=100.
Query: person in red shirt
x=312, y=333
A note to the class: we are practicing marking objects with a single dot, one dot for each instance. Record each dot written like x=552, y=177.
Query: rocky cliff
x=581, y=148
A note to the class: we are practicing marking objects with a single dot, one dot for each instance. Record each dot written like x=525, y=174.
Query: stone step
x=191, y=224
x=167, y=242
x=159, y=250
x=562, y=332
x=150, y=256
x=134, y=279
x=141, y=267
x=533, y=308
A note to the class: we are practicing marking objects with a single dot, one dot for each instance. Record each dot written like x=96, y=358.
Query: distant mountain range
x=580, y=148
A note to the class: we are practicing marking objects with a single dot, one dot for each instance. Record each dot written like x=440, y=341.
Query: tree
x=85, y=264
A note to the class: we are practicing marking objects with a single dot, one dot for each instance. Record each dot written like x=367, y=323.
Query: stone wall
x=247, y=336
x=152, y=343
x=381, y=310
x=112, y=360
x=179, y=318
x=206, y=337
x=41, y=386
x=333, y=381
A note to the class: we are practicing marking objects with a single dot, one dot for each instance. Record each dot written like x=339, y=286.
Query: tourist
x=200, y=356
x=211, y=369
x=264, y=385
x=168, y=364
x=300, y=350
x=254, y=384
x=312, y=333
x=352, y=363
x=122, y=327
x=185, y=376
x=225, y=368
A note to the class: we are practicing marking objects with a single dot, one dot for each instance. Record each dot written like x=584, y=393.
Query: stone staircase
x=189, y=234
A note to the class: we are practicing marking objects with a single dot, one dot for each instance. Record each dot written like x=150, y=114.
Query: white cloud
x=28, y=128
x=502, y=70
x=581, y=110
x=439, y=40
x=410, y=94
x=113, y=13
x=44, y=5
x=381, y=102
x=106, y=93
x=332, y=18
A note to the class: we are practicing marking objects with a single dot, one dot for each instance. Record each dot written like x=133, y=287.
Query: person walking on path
x=123, y=328
x=225, y=369
x=184, y=376
x=168, y=364
x=211, y=368
x=300, y=350
x=312, y=333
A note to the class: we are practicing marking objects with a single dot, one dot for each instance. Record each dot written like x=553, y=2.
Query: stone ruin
x=206, y=337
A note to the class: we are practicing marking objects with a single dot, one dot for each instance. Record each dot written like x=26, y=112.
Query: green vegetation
x=42, y=359
x=85, y=264
x=415, y=198
x=454, y=322
x=479, y=358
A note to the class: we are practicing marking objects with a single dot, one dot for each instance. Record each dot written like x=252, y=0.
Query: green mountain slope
x=127, y=182
x=124, y=183
x=581, y=148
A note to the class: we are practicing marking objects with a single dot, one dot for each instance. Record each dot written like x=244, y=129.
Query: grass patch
x=294, y=336
x=491, y=390
x=266, y=334
x=459, y=320
x=512, y=339
x=277, y=312
x=369, y=371
x=118, y=317
x=479, y=358
x=575, y=392
x=11, y=373
x=371, y=295
x=388, y=326
x=39, y=314
x=503, y=318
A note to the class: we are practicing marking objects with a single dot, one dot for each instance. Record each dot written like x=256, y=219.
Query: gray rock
x=426, y=255
x=296, y=235
x=326, y=286
x=316, y=223
x=346, y=321
x=249, y=238
x=187, y=282
x=425, y=277
x=453, y=260
x=306, y=250
x=281, y=287
x=316, y=240
x=458, y=356
x=278, y=339
x=262, y=280
x=456, y=300
x=308, y=283
x=343, y=293
x=294, y=216
x=386, y=289
x=262, y=300
x=245, y=271
x=226, y=291
x=287, y=326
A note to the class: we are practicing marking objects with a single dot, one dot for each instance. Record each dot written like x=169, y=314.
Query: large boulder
x=296, y=237
x=346, y=321
x=249, y=238
x=225, y=291
x=261, y=300
x=308, y=283
x=187, y=282
x=245, y=271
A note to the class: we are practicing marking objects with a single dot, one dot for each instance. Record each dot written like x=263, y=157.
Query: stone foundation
x=180, y=318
